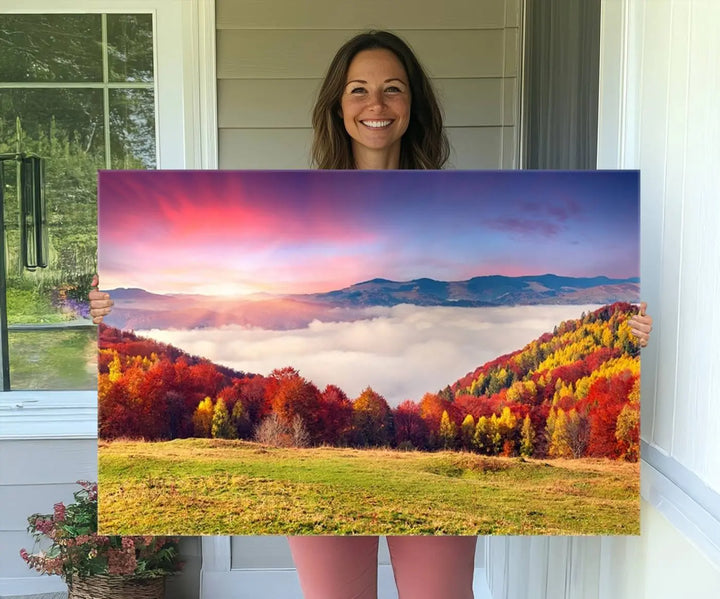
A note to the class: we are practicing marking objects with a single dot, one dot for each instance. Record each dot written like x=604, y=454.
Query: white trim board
x=693, y=508
x=284, y=584
x=26, y=415
x=41, y=587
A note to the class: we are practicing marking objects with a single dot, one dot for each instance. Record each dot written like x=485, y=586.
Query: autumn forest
x=570, y=393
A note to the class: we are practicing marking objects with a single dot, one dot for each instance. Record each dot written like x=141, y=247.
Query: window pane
x=50, y=48
x=52, y=344
x=65, y=127
x=53, y=120
x=53, y=359
x=132, y=128
x=130, y=47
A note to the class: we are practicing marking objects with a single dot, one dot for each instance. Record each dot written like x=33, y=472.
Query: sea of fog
x=401, y=352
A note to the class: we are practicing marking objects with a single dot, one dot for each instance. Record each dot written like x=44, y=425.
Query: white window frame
x=186, y=135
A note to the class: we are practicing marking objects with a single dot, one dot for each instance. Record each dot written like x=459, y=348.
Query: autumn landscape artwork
x=366, y=352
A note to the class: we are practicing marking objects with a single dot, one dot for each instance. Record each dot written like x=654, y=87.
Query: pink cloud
x=183, y=210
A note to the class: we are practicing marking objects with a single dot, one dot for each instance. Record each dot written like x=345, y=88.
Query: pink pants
x=346, y=567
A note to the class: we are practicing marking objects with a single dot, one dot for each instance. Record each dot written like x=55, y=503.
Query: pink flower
x=59, y=512
x=54, y=565
x=45, y=526
x=127, y=543
x=121, y=561
x=103, y=540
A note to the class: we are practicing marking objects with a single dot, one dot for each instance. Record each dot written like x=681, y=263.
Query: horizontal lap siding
x=303, y=54
x=271, y=60
x=350, y=14
x=34, y=475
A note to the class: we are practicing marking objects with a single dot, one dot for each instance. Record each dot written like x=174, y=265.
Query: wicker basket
x=117, y=587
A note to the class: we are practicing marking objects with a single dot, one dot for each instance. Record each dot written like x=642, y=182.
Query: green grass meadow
x=203, y=486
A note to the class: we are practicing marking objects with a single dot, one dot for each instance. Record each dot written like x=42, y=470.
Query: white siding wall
x=660, y=81
x=667, y=124
x=271, y=58
x=674, y=138
x=48, y=441
x=40, y=460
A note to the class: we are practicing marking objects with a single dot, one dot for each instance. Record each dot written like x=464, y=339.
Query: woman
x=377, y=110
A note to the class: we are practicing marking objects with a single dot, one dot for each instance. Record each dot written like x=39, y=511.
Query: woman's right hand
x=100, y=302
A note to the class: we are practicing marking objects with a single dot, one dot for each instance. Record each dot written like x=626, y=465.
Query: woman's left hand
x=641, y=325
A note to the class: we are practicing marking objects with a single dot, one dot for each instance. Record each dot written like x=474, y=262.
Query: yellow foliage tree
x=627, y=432
x=496, y=440
x=527, y=437
x=447, y=432
x=203, y=417
x=221, y=427
x=481, y=440
x=467, y=431
x=560, y=441
x=115, y=368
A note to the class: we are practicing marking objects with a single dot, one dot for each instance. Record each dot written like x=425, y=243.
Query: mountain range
x=492, y=290
x=137, y=309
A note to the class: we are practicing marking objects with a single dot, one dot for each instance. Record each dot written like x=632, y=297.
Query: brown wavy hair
x=424, y=145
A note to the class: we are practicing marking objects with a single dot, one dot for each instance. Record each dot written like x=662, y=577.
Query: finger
x=100, y=310
x=642, y=321
x=95, y=282
x=639, y=324
x=643, y=307
x=100, y=301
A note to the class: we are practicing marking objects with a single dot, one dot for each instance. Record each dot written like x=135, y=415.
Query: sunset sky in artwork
x=245, y=232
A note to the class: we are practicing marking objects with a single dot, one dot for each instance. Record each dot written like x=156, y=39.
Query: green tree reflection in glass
x=54, y=81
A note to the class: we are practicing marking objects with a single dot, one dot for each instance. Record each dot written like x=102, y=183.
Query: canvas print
x=367, y=352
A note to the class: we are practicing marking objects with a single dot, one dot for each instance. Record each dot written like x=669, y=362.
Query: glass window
x=79, y=91
x=130, y=47
x=57, y=48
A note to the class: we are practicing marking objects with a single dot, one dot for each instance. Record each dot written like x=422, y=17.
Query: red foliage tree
x=292, y=395
x=410, y=428
x=335, y=415
x=116, y=414
x=606, y=398
x=372, y=420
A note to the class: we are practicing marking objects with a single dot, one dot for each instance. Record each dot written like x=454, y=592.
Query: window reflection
x=78, y=90
x=58, y=48
x=130, y=47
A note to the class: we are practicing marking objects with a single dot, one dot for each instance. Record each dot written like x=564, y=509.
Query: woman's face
x=375, y=102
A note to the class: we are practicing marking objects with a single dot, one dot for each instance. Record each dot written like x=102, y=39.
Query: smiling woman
x=375, y=107
x=375, y=78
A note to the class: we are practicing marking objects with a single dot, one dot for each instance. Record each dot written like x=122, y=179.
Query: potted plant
x=98, y=566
